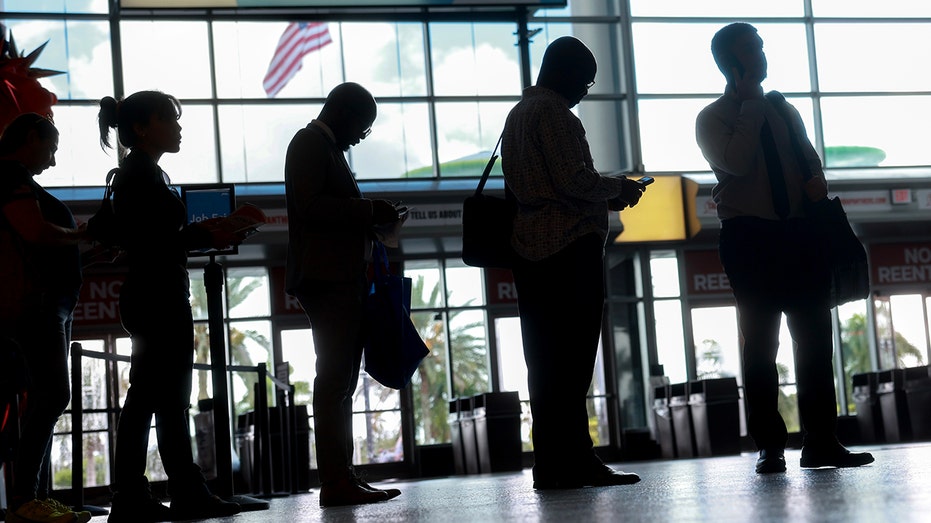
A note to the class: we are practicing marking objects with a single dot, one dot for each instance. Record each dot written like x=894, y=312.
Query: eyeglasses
x=366, y=133
x=589, y=84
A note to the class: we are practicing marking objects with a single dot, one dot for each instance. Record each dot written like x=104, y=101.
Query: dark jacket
x=329, y=221
x=55, y=269
x=153, y=218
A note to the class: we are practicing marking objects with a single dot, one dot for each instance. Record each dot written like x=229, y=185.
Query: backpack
x=103, y=227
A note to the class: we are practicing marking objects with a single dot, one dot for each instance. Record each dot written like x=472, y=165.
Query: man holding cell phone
x=559, y=234
x=768, y=253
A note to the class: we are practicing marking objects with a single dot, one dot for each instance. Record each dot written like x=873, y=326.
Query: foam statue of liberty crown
x=20, y=90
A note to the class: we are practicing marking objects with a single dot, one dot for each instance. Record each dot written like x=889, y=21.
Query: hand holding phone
x=745, y=83
x=646, y=180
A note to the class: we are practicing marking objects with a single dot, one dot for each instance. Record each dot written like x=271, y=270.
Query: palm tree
x=710, y=360
x=787, y=404
x=431, y=383
x=237, y=290
x=855, y=348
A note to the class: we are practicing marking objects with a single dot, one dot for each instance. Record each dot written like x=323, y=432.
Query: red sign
x=499, y=287
x=282, y=302
x=704, y=274
x=900, y=263
x=901, y=196
x=99, y=302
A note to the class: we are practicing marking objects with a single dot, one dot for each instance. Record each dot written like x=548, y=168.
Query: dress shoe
x=138, y=507
x=391, y=492
x=771, y=460
x=202, y=507
x=600, y=476
x=835, y=455
x=605, y=476
x=349, y=492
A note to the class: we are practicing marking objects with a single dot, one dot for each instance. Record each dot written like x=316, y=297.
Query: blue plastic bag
x=393, y=348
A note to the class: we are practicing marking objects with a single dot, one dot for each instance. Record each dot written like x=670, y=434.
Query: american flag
x=298, y=39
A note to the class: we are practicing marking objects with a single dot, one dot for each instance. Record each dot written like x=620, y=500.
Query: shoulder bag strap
x=779, y=102
x=488, y=166
x=108, y=191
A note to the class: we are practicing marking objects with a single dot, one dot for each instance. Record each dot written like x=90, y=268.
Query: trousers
x=44, y=336
x=773, y=271
x=335, y=312
x=161, y=326
x=561, y=302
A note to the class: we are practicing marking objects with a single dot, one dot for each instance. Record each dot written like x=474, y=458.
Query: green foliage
x=855, y=347
x=62, y=478
x=787, y=404
x=457, y=169
x=710, y=360
x=431, y=383
x=856, y=350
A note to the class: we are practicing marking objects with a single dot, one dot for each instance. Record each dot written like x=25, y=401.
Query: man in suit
x=768, y=253
x=330, y=236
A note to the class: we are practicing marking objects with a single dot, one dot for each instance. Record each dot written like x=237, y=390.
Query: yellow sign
x=666, y=212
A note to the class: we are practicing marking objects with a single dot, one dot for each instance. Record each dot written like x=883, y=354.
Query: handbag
x=487, y=223
x=839, y=247
x=393, y=348
x=841, y=250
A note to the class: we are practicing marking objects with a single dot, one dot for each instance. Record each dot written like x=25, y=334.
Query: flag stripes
x=298, y=39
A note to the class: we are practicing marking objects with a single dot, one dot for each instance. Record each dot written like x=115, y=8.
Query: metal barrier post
x=213, y=283
x=77, y=427
x=264, y=430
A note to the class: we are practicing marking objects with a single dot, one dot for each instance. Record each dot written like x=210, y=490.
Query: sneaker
x=80, y=516
x=37, y=511
x=145, y=508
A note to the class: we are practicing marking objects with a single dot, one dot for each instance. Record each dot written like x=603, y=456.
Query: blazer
x=329, y=222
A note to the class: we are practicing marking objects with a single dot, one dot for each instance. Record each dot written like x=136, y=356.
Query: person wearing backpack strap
x=155, y=310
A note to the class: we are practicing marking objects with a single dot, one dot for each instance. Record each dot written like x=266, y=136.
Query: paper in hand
x=390, y=233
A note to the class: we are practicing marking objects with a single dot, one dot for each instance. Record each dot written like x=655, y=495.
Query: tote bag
x=393, y=348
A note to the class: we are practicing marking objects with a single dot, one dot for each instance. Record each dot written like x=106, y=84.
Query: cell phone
x=735, y=64
x=646, y=180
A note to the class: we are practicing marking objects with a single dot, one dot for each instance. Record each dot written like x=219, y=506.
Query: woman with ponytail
x=155, y=310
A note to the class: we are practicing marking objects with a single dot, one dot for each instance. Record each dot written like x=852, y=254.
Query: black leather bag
x=487, y=223
x=840, y=249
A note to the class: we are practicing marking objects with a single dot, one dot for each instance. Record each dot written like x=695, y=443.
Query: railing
x=261, y=480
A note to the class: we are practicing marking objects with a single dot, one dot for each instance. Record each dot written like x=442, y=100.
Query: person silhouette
x=559, y=234
x=330, y=233
x=44, y=244
x=767, y=251
x=155, y=310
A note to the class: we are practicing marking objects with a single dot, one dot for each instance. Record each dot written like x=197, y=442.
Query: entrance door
x=717, y=343
x=513, y=377
x=376, y=409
